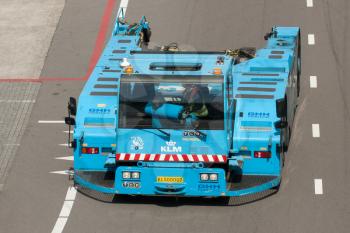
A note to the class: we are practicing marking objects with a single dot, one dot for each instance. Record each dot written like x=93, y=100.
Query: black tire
x=283, y=157
x=299, y=64
x=146, y=35
x=282, y=154
x=286, y=142
x=298, y=76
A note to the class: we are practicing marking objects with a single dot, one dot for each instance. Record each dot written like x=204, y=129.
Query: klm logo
x=171, y=147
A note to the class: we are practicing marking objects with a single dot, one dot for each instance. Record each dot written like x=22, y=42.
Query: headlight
x=126, y=175
x=213, y=177
x=204, y=176
x=135, y=175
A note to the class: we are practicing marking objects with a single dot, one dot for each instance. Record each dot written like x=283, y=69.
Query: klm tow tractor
x=181, y=123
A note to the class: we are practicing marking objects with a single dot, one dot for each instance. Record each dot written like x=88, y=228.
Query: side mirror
x=72, y=106
x=69, y=120
x=281, y=108
x=281, y=124
x=268, y=35
x=73, y=144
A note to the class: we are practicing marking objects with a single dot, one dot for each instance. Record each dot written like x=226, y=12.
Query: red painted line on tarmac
x=19, y=80
x=99, y=45
x=62, y=79
x=40, y=80
x=100, y=40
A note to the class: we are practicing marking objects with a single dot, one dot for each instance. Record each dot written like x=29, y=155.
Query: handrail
x=120, y=18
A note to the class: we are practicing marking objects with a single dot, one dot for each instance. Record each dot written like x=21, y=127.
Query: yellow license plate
x=170, y=179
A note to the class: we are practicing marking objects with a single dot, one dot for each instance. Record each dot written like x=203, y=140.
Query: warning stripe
x=172, y=157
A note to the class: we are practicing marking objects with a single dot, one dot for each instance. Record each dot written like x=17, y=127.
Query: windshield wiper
x=163, y=132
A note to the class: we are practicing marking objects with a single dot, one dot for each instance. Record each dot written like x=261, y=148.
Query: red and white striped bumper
x=172, y=157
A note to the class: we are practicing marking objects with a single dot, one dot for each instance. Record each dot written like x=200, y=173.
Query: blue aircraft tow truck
x=185, y=123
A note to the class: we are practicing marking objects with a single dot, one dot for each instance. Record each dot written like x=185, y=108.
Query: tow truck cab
x=149, y=133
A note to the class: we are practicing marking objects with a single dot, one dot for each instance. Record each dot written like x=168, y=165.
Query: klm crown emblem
x=171, y=147
x=171, y=143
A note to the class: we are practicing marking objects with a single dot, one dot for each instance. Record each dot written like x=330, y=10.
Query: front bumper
x=111, y=182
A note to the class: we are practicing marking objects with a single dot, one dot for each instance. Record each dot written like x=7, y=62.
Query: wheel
x=298, y=76
x=287, y=136
x=146, y=35
x=282, y=153
x=299, y=65
x=283, y=157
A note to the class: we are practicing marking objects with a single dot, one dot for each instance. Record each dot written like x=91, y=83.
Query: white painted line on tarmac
x=59, y=226
x=309, y=3
x=64, y=144
x=313, y=81
x=71, y=194
x=17, y=101
x=315, y=130
x=65, y=172
x=66, y=131
x=66, y=208
x=318, y=186
x=69, y=158
x=65, y=211
x=123, y=6
x=311, y=39
x=50, y=122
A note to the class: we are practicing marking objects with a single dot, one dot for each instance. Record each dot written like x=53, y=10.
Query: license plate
x=170, y=179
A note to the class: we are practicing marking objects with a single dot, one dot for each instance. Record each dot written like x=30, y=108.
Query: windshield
x=171, y=102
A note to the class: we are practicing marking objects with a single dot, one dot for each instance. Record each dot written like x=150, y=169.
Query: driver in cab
x=195, y=108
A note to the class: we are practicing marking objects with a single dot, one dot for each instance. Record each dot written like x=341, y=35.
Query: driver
x=195, y=107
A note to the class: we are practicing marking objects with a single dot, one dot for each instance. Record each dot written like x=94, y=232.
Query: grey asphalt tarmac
x=32, y=198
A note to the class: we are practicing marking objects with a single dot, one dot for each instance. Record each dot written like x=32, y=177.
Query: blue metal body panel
x=250, y=90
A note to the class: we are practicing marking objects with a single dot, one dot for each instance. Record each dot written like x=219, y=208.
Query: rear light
x=131, y=175
x=135, y=175
x=262, y=154
x=89, y=150
x=204, y=176
x=213, y=177
x=126, y=175
x=209, y=177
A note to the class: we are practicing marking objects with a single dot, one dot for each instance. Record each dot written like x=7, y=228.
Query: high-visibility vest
x=196, y=103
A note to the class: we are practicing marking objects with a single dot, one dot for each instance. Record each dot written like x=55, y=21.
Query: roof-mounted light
x=217, y=71
x=129, y=70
